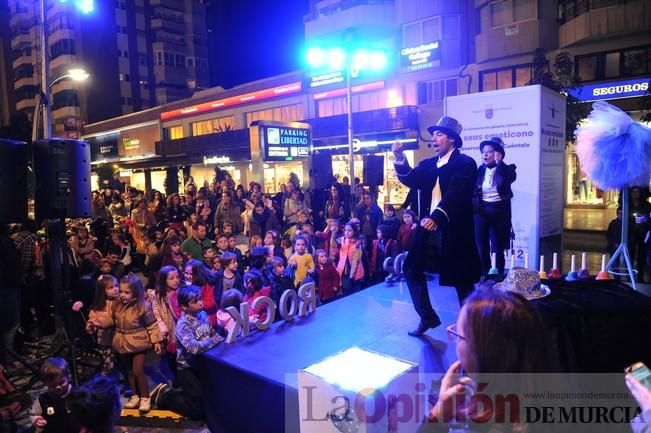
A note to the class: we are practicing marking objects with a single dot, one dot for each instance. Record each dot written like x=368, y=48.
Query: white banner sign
x=534, y=138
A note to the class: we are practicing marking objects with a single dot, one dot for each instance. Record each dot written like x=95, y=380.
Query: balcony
x=168, y=25
x=22, y=15
x=65, y=112
x=64, y=62
x=169, y=4
x=24, y=81
x=61, y=33
x=588, y=20
x=25, y=104
x=21, y=40
x=236, y=144
x=22, y=60
x=335, y=16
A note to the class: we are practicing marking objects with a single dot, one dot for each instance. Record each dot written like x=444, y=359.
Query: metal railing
x=570, y=9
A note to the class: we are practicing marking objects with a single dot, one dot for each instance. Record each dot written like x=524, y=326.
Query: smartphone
x=640, y=372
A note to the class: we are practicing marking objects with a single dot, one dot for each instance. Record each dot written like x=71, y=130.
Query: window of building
x=431, y=29
x=176, y=132
x=62, y=47
x=361, y=102
x=587, y=67
x=190, y=62
x=25, y=92
x=636, y=61
x=512, y=11
x=436, y=90
x=212, y=126
x=65, y=98
x=169, y=59
x=612, y=65
x=180, y=60
x=142, y=59
x=159, y=58
x=627, y=62
x=570, y=9
x=287, y=113
x=505, y=78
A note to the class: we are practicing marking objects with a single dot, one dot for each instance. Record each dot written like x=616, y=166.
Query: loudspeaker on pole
x=322, y=170
x=374, y=170
x=13, y=181
x=63, y=183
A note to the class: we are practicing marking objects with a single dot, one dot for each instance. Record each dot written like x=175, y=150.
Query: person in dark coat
x=262, y=220
x=492, y=202
x=445, y=240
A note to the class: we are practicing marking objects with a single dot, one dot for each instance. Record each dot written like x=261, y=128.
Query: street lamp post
x=351, y=62
x=85, y=7
x=42, y=102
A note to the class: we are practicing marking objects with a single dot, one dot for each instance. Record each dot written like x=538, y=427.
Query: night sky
x=254, y=39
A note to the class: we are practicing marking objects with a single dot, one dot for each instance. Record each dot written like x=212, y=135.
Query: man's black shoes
x=423, y=326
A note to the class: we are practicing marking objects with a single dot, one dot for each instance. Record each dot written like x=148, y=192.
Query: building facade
x=143, y=52
x=468, y=46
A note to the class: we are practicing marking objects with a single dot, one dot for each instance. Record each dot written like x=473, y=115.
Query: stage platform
x=250, y=384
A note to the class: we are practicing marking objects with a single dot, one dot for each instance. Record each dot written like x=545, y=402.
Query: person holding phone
x=638, y=381
x=445, y=241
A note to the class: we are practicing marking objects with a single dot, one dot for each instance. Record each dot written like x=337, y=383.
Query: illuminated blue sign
x=421, y=57
x=611, y=90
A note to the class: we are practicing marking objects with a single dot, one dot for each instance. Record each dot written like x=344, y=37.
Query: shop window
x=451, y=27
x=173, y=132
x=287, y=113
x=364, y=102
x=505, y=78
x=636, y=61
x=587, y=68
x=436, y=90
x=488, y=81
x=212, y=126
x=612, y=65
x=522, y=76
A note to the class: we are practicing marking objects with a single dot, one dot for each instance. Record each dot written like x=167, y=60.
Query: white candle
x=542, y=263
x=584, y=260
x=512, y=261
x=555, y=261
x=526, y=260
x=603, y=263
x=493, y=261
x=573, y=265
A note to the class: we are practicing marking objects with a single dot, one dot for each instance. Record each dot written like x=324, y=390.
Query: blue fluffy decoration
x=613, y=149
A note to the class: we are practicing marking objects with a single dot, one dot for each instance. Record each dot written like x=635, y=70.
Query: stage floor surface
x=376, y=318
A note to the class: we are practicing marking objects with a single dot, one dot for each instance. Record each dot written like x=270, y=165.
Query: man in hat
x=444, y=242
x=492, y=203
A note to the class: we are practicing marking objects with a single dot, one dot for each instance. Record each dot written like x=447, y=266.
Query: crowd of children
x=164, y=286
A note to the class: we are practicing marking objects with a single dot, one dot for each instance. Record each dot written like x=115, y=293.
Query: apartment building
x=139, y=54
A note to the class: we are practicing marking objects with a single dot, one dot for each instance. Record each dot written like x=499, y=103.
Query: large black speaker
x=322, y=170
x=373, y=170
x=62, y=170
x=13, y=181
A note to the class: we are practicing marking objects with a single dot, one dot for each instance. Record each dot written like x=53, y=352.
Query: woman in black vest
x=492, y=202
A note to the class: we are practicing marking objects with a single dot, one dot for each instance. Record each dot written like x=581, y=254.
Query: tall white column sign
x=531, y=122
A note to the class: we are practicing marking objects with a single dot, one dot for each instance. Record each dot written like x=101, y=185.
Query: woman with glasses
x=497, y=332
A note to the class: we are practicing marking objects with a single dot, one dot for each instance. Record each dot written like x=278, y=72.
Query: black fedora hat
x=449, y=126
x=496, y=143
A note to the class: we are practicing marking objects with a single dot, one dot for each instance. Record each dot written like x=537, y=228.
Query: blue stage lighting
x=84, y=6
x=315, y=57
x=336, y=58
x=378, y=60
x=361, y=59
